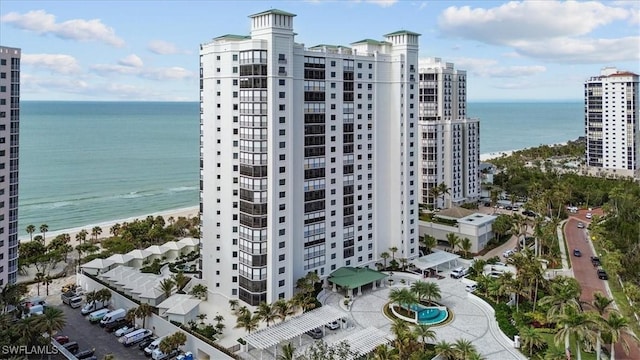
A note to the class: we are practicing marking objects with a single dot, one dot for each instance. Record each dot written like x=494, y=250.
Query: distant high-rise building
x=9, y=132
x=612, y=123
x=309, y=156
x=449, y=140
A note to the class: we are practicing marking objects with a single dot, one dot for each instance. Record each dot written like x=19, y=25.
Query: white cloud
x=550, y=30
x=172, y=73
x=527, y=20
x=382, y=3
x=162, y=47
x=46, y=85
x=56, y=63
x=43, y=23
x=132, y=61
x=491, y=68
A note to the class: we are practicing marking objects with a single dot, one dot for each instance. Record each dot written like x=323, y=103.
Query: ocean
x=91, y=162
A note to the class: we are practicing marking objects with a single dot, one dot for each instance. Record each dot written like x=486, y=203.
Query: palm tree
x=180, y=280
x=443, y=189
x=432, y=292
x=454, y=241
x=466, y=244
x=103, y=295
x=167, y=285
x=600, y=303
x=393, y=250
x=287, y=352
x=179, y=339
x=130, y=316
x=463, y=349
x=429, y=242
x=248, y=321
x=81, y=236
x=384, y=256
x=403, y=297
x=167, y=345
x=95, y=232
x=25, y=330
x=283, y=309
x=531, y=339
x=11, y=295
x=478, y=266
x=573, y=323
x=424, y=332
x=51, y=321
x=200, y=291
x=434, y=192
x=267, y=313
x=403, y=263
x=201, y=317
x=143, y=311
x=445, y=349
x=564, y=299
x=233, y=303
x=30, y=230
x=43, y=229
x=115, y=229
x=39, y=278
x=385, y=352
x=218, y=318
x=617, y=328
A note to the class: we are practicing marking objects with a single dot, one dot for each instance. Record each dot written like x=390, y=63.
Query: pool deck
x=473, y=318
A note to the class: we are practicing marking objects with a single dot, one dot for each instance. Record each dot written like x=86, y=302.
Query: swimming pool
x=429, y=315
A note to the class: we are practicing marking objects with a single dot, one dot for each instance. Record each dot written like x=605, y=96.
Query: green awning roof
x=352, y=278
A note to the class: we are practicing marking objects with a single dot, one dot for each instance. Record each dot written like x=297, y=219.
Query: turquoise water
x=429, y=315
x=90, y=162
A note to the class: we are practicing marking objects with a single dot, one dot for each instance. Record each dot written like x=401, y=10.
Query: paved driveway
x=586, y=274
x=93, y=336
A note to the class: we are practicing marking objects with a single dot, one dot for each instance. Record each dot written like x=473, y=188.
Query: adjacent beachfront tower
x=612, y=123
x=309, y=156
x=449, y=140
x=9, y=132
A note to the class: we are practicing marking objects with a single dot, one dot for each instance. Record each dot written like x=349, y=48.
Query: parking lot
x=90, y=336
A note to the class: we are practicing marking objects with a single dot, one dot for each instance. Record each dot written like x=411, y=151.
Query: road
x=89, y=336
x=586, y=274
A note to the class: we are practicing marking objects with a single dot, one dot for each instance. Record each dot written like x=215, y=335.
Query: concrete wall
x=160, y=327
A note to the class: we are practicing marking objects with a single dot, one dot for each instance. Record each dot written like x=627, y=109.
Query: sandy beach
x=176, y=213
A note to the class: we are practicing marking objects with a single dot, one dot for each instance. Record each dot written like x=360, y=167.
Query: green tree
x=248, y=321
x=200, y=291
x=30, y=230
x=466, y=244
x=233, y=303
x=180, y=280
x=445, y=349
x=267, y=313
x=384, y=256
x=283, y=309
x=453, y=240
x=143, y=311
x=51, y=321
x=167, y=285
x=95, y=232
x=320, y=350
x=429, y=242
x=573, y=323
x=393, y=250
x=424, y=333
x=531, y=339
x=618, y=327
x=287, y=352
x=43, y=229
x=443, y=189
x=403, y=297
x=463, y=349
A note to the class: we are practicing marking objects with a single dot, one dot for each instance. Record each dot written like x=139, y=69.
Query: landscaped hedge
x=503, y=317
x=208, y=341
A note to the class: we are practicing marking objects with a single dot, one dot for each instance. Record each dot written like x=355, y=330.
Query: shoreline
x=497, y=154
x=187, y=212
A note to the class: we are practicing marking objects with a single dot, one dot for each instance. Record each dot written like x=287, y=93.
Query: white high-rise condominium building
x=9, y=130
x=309, y=156
x=612, y=123
x=449, y=140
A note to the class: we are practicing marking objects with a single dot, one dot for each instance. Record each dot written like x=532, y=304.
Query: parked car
x=602, y=275
x=113, y=316
x=152, y=346
x=61, y=339
x=93, y=306
x=595, y=261
x=528, y=213
x=135, y=336
x=85, y=354
x=507, y=253
x=124, y=330
x=315, y=333
x=111, y=327
x=72, y=347
x=471, y=287
x=333, y=325
x=159, y=355
x=589, y=215
x=76, y=302
x=144, y=343
x=580, y=225
x=459, y=272
x=577, y=253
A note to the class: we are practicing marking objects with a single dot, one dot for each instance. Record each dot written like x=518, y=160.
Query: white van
x=113, y=316
x=93, y=306
x=76, y=302
x=459, y=272
x=154, y=345
x=135, y=337
x=96, y=316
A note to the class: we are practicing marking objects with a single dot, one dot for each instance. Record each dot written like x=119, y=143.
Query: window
x=281, y=107
x=281, y=270
x=281, y=94
x=281, y=81
x=281, y=283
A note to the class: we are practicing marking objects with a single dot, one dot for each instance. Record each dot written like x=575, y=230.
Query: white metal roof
x=98, y=264
x=173, y=245
x=156, y=250
x=139, y=254
x=296, y=326
x=184, y=307
x=120, y=258
x=438, y=257
x=365, y=341
x=189, y=242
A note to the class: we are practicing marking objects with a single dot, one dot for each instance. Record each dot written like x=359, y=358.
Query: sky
x=149, y=50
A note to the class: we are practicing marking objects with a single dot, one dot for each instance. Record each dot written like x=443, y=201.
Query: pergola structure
x=365, y=341
x=354, y=278
x=296, y=326
x=433, y=260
